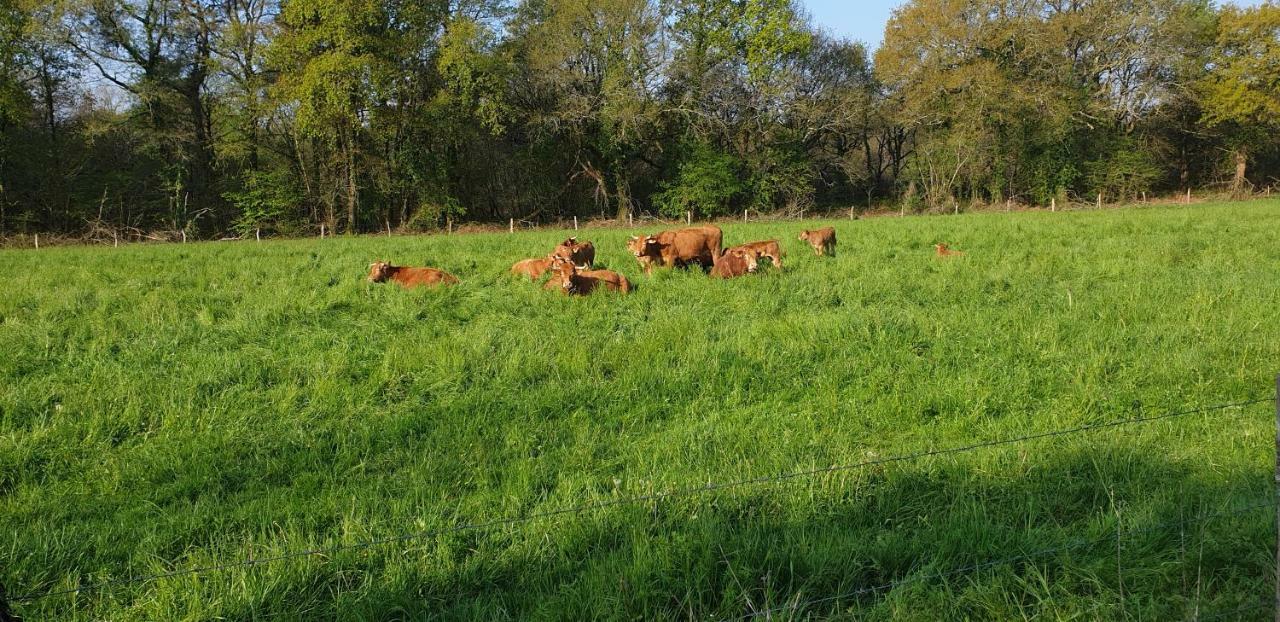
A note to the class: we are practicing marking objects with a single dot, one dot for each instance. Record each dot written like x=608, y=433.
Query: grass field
x=167, y=407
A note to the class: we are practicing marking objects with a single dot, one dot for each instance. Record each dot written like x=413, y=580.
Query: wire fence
x=657, y=497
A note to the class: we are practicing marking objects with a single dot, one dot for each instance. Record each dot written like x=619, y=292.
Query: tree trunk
x=352, y=192
x=1242, y=168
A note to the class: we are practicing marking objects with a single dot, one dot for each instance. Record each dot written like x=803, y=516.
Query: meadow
x=165, y=407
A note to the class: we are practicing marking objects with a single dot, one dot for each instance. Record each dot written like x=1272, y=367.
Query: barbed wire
x=626, y=501
x=1079, y=543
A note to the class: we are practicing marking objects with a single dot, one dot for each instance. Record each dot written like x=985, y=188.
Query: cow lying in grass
x=381, y=271
x=583, y=255
x=767, y=248
x=682, y=247
x=733, y=263
x=533, y=268
x=822, y=240
x=945, y=251
x=572, y=282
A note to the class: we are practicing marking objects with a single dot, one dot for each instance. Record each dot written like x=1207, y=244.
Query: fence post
x=1053, y=204
x=688, y=217
x=37, y=241
x=1188, y=195
x=575, y=223
x=1278, y=496
x=511, y=226
x=630, y=222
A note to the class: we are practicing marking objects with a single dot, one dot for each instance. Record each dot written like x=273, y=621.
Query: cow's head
x=749, y=259
x=379, y=271
x=641, y=246
x=804, y=235
x=565, y=271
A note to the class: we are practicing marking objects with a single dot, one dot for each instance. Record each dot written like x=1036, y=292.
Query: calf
x=768, y=248
x=682, y=247
x=567, y=278
x=733, y=263
x=582, y=255
x=945, y=251
x=532, y=268
x=381, y=271
x=822, y=240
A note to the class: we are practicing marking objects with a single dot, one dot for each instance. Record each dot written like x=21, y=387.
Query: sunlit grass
x=164, y=407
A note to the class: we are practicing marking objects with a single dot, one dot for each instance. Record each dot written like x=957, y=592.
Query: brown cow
x=381, y=271
x=567, y=278
x=822, y=240
x=582, y=255
x=945, y=251
x=700, y=245
x=734, y=262
x=768, y=248
x=533, y=268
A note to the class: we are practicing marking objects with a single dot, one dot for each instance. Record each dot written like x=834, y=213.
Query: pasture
x=176, y=406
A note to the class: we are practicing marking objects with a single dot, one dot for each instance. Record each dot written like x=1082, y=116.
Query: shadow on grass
x=924, y=541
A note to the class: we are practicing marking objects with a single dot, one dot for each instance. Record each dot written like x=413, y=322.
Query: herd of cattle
x=571, y=264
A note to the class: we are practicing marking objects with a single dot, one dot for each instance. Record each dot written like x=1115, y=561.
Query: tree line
x=223, y=116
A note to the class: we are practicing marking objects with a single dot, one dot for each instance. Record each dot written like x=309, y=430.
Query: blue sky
x=864, y=20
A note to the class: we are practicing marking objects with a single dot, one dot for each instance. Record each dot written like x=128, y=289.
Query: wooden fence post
x=37, y=241
x=1053, y=204
x=1188, y=195
x=688, y=217
x=257, y=234
x=511, y=226
x=851, y=213
x=630, y=222
x=321, y=231
x=744, y=215
x=1099, y=200
x=388, y=227
x=575, y=223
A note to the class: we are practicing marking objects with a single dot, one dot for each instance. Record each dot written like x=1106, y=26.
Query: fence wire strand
x=627, y=501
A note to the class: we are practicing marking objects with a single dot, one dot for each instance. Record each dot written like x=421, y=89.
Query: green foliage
x=706, y=184
x=164, y=407
x=265, y=201
x=1124, y=173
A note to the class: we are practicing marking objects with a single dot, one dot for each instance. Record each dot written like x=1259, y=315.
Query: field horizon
x=169, y=407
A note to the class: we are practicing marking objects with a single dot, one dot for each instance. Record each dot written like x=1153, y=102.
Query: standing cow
x=822, y=240
x=682, y=247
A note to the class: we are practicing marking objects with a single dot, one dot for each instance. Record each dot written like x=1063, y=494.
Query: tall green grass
x=167, y=407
